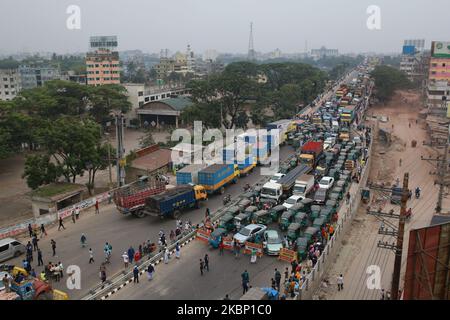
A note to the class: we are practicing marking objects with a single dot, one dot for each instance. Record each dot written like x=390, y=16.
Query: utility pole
x=398, y=233
x=120, y=150
x=399, y=250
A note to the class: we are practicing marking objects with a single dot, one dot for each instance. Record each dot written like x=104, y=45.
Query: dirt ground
x=14, y=201
x=360, y=250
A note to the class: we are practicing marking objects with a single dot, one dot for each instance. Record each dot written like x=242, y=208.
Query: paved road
x=181, y=279
x=121, y=232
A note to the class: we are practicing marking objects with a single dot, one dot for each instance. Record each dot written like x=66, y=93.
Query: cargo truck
x=189, y=174
x=245, y=167
x=283, y=126
x=216, y=177
x=311, y=152
x=172, y=202
x=282, y=189
x=130, y=199
x=304, y=185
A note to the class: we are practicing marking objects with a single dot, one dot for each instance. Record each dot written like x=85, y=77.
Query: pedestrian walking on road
x=286, y=274
x=91, y=256
x=135, y=274
x=53, y=243
x=221, y=247
x=96, y=207
x=150, y=272
x=202, y=266
x=43, y=232
x=382, y=295
x=207, y=213
x=177, y=251
x=35, y=240
x=39, y=258
x=73, y=216
x=400, y=162
x=277, y=278
x=347, y=197
x=273, y=284
x=245, y=281
x=109, y=197
x=166, y=256
x=206, y=259
x=294, y=265
x=103, y=275
x=131, y=254
x=126, y=259
x=340, y=282
x=61, y=269
x=61, y=225
x=172, y=235
x=30, y=230
x=77, y=213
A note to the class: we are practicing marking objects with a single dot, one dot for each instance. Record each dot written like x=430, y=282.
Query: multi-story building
x=32, y=77
x=413, y=63
x=102, y=62
x=9, y=83
x=324, y=52
x=438, y=90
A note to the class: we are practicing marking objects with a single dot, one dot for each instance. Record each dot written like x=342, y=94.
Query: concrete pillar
x=176, y=122
x=157, y=121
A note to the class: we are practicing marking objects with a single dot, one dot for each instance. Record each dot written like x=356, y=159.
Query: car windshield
x=270, y=192
x=300, y=189
x=324, y=181
x=291, y=201
x=245, y=232
x=275, y=178
x=273, y=239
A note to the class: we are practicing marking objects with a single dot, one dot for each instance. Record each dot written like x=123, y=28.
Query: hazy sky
x=150, y=25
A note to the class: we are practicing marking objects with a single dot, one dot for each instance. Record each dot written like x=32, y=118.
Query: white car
x=249, y=233
x=326, y=182
x=276, y=177
x=292, y=200
x=273, y=242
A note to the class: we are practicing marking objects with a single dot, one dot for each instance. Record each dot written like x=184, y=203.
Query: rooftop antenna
x=251, y=50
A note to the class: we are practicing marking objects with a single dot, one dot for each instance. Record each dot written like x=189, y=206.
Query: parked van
x=10, y=248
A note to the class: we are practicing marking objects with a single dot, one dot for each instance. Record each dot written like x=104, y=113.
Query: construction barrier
x=203, y=235
x=228, y=243
x=250, y=246
x=287, y=255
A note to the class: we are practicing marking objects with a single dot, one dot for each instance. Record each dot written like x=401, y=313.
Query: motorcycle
x=226, y=200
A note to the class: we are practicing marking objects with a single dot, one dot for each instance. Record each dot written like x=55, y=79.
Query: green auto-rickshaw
x=326, y=213
x=319, y=222
x=293, y=231
x=296, y=208
x=302, y=248
x=339, y=191
x=262, y=217
x=241, y=220
x=227, y=222
x=334, y=196
x=334, y=173
x=276, y=212
x=286, y=219
x=307, y=203
x=365, y=195
x=244, y=203
x=233, y=210
x=251, y=209
x=216, y=237
x=301, y=218
x=310, y=232
x=333, y=204
x=342, y=184
x=315, y=209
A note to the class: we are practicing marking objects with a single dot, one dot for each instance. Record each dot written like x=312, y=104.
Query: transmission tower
x=251, y=50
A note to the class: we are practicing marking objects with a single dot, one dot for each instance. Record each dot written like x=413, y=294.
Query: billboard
x=440, y=49
x=428, y=264
x=409, y=50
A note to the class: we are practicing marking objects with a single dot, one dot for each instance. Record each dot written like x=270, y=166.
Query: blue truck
x=189, y=174
x=173, y=201
x=215, y=177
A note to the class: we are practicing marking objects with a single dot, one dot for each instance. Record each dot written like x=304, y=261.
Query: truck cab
x=272, y=190
x=200, y=193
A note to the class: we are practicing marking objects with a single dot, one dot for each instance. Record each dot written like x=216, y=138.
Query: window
x=97, y=72
x=141, y=103
x=434, y=64
x=98, y=79
x=147, y=99
x=443, y=64
x=12, y=86
x=15, y=243
x=7, y=93
x=433, y=72
x=4, y=248
x=5, y=79
x=140, y=93
x=6, y=86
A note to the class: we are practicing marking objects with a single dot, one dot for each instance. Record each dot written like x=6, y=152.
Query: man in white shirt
x=340, y=282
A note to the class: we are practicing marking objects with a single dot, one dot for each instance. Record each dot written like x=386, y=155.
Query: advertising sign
x=440, y=49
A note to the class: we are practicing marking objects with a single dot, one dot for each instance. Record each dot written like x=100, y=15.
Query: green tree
x=147, y=139
x=387, y=81
x=107, y=98
x=40, y=170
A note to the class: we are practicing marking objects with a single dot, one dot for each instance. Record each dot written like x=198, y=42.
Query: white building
x=10, y=84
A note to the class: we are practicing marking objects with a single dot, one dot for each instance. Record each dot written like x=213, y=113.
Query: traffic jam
x=293, y=213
